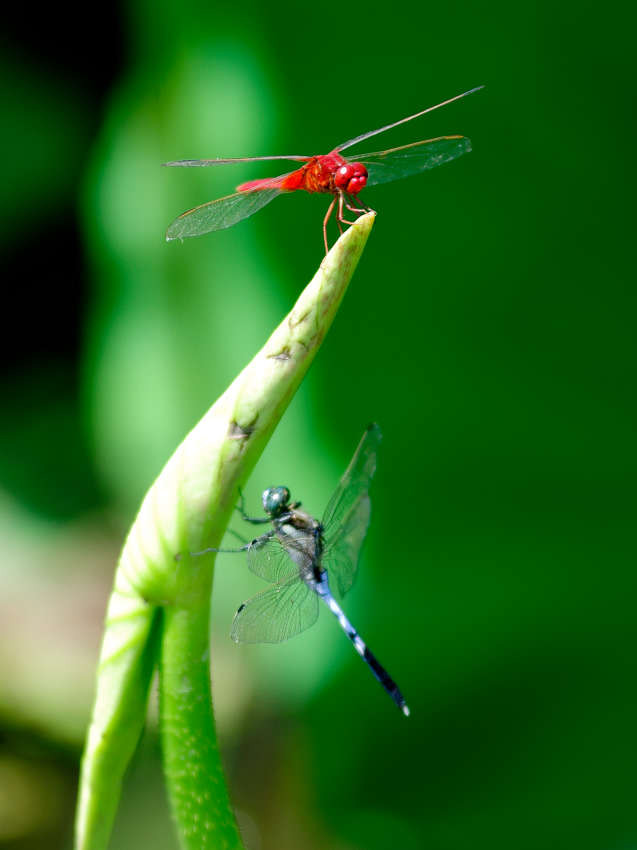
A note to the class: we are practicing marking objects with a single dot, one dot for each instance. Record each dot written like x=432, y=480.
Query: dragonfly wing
x=341, y=556
x=346, y=517
x=364, y=136
x=276, y=614
x=394, y=164
x=204, y=163
x=219, y=214
x=269, y=560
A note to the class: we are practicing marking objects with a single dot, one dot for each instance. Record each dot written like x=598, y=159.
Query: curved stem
x=186, y=510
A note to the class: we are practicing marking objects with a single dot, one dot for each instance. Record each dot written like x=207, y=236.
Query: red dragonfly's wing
x=396, y=163
x=364, y=136
x=219, y=214
x=200, y=163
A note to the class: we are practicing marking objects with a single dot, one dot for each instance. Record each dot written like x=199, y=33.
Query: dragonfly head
x=275, y=500
x=352, y=177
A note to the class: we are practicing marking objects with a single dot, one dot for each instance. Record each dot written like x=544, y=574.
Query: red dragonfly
x=343, y=177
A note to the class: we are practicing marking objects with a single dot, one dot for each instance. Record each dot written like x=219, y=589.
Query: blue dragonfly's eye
x=275, y=499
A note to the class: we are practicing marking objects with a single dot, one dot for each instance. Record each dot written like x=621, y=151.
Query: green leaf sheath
x=185, y=510
x=127, y=661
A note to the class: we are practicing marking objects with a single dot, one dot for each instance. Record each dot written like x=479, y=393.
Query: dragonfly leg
x=258, y=541
x=341, y=199
x=236, y=534
x=256, y=520
x=240, y=507
x=351, y=199
x=325, y=220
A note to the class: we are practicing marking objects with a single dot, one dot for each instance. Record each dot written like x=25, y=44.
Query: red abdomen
x=266, y=183
x=317, y=175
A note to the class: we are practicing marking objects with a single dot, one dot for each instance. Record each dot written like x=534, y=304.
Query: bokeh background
x=489, y=329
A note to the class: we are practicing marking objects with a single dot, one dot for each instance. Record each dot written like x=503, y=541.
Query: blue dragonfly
x=302, y=558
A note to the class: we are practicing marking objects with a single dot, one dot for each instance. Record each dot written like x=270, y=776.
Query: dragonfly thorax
x=301, y=535
x=275, y=500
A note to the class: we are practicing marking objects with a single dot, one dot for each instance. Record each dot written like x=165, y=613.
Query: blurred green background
x=489, y=329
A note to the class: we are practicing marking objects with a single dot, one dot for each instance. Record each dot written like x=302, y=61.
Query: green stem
x=191, y=756
x=186, y=510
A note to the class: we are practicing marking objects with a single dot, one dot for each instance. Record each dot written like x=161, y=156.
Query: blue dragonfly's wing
x=346, y=518
x=340, y=558
x=282, y=611
x=269, y=560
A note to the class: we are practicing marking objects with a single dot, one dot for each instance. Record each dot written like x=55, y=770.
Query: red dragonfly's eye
x=352, y=177
x=356, y=184
x=358, y=178
x=343, y=175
